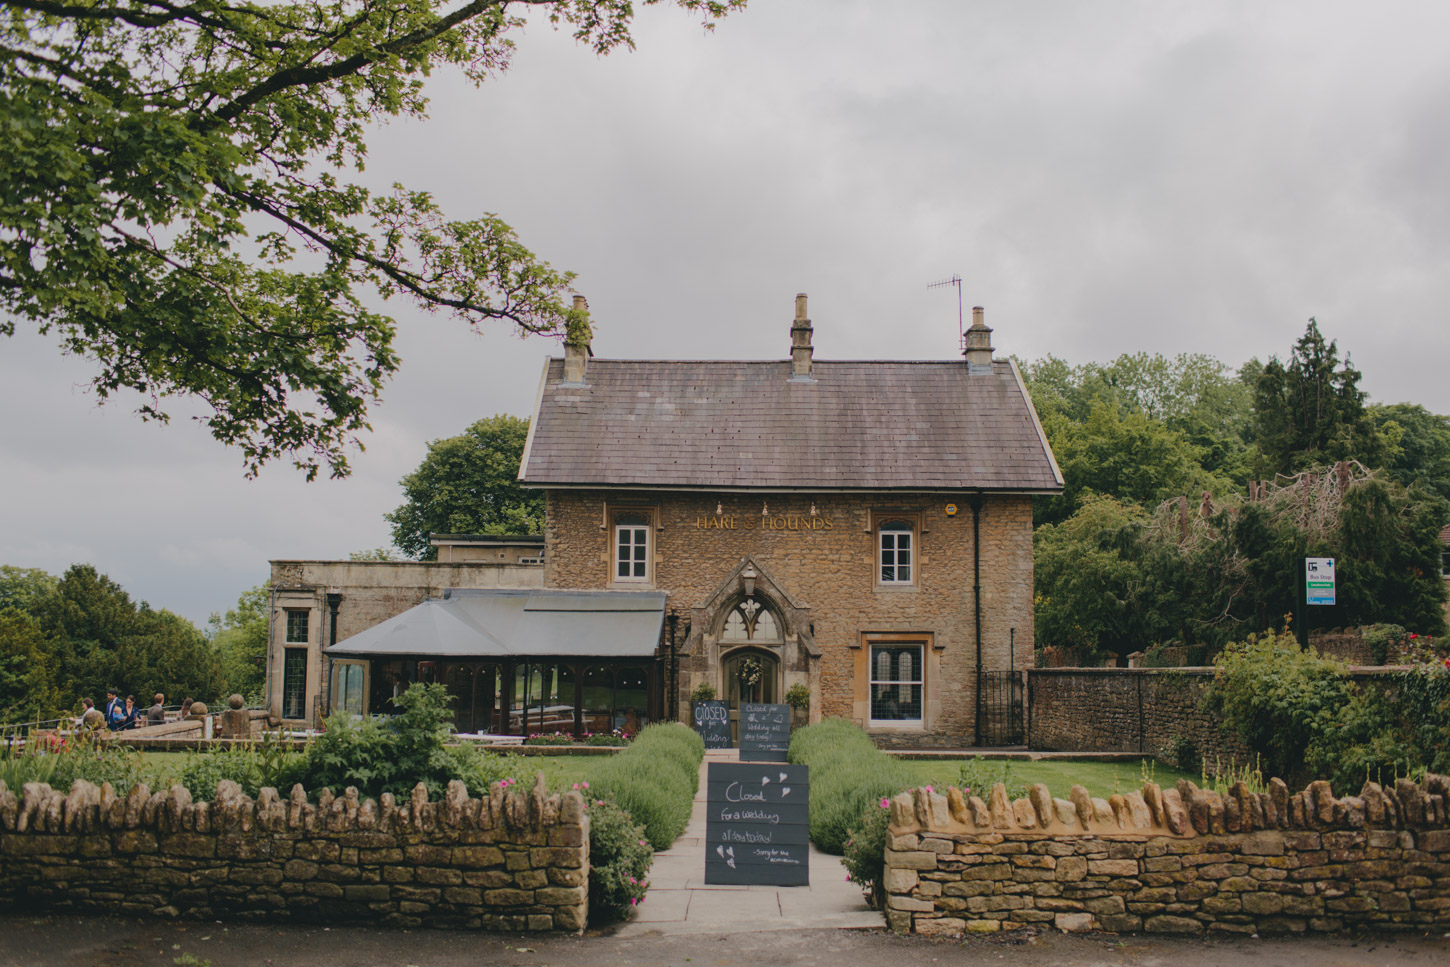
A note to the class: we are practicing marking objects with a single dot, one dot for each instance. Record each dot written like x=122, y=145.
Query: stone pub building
x=862, y=529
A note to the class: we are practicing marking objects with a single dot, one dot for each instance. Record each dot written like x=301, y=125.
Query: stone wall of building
x=820, y=552
x=1181, y=861
x=372, y=592
x=511, y=862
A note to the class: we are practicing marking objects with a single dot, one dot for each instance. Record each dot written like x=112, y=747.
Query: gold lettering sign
x=773, y=522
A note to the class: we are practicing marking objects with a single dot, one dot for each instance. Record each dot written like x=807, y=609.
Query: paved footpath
x=680, y=902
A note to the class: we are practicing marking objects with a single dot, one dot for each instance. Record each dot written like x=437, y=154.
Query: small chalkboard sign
x=764, y=732
x=757, y=828
x=712, y=721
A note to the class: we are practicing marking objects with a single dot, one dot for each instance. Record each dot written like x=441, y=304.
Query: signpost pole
x=1301, y=623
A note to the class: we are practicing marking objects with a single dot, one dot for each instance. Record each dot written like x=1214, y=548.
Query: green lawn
x=560, y=771
x=1098, y=778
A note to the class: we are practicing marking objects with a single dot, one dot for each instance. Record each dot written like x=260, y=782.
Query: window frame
x=342, y=670
x=750, y=622
x=919, y=682
x=638, y=521
x=306, y=622
x=296, y=685
x=897, y=524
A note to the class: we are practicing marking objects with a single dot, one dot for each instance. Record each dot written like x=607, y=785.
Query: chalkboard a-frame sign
x=757, y=829
x=712, y=721
x=764, y=732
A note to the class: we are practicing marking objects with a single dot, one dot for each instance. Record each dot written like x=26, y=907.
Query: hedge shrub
x=654, y=780
x=396, y=753
x=848, y=776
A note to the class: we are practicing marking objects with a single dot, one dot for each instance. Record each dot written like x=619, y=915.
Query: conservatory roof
x=508, y=623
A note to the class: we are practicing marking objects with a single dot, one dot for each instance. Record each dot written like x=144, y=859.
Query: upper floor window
x=631, y=547
x=896, y=552
x=297, y=626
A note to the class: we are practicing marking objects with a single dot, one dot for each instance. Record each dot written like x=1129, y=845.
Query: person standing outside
x=92, y=719
x=156, y=714
x=115, y=711
x=129, y=722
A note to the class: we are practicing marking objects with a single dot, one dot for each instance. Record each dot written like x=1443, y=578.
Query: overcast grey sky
x=1106, y=177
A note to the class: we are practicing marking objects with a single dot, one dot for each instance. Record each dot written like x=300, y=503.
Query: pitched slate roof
x=747, y=425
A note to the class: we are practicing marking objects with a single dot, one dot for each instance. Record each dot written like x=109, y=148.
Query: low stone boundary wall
x=510, y=861
x=1183, y=861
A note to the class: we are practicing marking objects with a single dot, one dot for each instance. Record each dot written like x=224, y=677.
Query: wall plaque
x=757, y=829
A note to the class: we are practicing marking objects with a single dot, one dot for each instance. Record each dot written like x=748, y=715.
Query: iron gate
x=1002, y=719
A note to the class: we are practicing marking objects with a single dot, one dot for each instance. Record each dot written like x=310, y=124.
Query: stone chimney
x=800, y=342
x=576, y=347
x=977, y=342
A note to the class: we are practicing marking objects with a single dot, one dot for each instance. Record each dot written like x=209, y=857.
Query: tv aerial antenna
x=955, y=280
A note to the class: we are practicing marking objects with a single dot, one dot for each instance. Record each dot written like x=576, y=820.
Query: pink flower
x=585, y=785
x=632, y=880
x=632, y=901
x=928, y=789
x=1413, y=636
x=848, y=877
x=644, y=842
x=885, y=803
x=599, y=802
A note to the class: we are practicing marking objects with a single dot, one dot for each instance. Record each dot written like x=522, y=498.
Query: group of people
x=123, y=714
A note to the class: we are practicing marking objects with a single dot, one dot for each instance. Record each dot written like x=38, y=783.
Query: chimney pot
x=800, y=342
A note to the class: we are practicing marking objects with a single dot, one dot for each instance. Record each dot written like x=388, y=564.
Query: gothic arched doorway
x=750, y=673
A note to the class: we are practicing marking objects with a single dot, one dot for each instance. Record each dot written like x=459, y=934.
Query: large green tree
x=468, y=484
x=28, y=689
x=1127, y=455
x=84, y=632
x=177, y=199
x=1112, y=578
x=1142, y=427
x=240, y=640
x=1417, y=445
x=1310, y=411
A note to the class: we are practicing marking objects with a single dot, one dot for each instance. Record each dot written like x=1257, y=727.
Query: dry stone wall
x=1150, y=710
x=509, y=861
x=1156, y=711
x=1182, y=860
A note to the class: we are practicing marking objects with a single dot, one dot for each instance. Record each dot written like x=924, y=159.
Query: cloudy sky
x=1106, y=177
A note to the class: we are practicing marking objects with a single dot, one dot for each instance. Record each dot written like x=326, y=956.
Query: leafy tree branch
x=142, y=140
